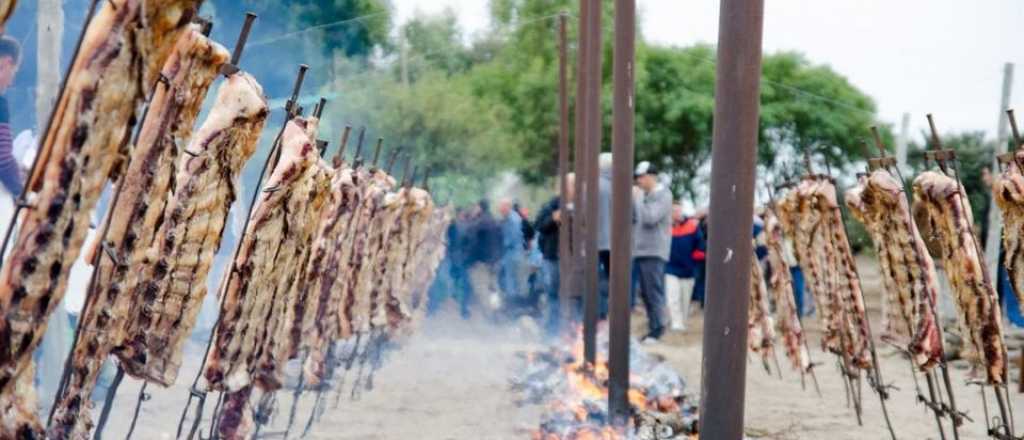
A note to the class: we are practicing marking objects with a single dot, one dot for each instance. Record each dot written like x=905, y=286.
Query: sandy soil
x=451, y=382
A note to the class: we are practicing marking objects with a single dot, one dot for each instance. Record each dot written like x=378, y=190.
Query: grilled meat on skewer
x=174, y=282
x=133, y=220
x=942, y=204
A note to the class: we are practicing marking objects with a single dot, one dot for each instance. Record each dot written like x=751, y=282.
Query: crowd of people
x=506, y=264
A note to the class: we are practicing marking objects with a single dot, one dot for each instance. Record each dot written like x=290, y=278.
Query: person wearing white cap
x=652, y=239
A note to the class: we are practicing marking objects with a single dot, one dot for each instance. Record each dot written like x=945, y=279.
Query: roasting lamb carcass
x=908, y=271
x=780, y=284
x=254, y=303
x=121, y=55
x=810, y=213
x=133, y=220
x=416, y=217
x=370, y=229
x=174, y=280
x=942, y=203
x=1008, y=189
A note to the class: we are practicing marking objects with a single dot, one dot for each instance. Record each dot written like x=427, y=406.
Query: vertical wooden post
x=564, y=245
x=622, y=211
x=579, y=148
x=734, y=152
x=592, y=147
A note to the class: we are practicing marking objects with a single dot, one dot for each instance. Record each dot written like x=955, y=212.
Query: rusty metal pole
x=622, y=212
x=564, y=245
x=734, y=151
x=579, y=168
x=591, y=296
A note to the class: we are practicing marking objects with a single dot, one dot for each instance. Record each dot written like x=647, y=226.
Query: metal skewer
x=340, y=157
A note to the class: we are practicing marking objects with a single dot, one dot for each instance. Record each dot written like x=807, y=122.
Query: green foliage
x=438, y=121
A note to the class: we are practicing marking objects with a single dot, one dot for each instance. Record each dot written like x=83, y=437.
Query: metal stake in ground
x=272, y=158
x=622, y=212
x=340, y=157
x=737, y=91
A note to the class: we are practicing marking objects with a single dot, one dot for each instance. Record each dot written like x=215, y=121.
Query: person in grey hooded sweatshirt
x=652, y=240
x=604, y=226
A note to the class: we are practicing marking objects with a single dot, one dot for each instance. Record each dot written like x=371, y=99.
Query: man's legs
x=552, y=281
x=604, y=275
x=652, y=290
x=798, y=289
x=674, y=299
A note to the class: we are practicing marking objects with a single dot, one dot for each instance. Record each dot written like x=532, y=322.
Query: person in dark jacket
x=547, y=225
x=483, y=243
x=681, y=268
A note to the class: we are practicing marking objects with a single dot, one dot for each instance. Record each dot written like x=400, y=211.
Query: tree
x=438, y=121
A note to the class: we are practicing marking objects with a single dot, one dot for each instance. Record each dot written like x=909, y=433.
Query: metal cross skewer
x=272, y=158
x=357, y=160
x=392, y=159
x=942, y=157
x=376, y=151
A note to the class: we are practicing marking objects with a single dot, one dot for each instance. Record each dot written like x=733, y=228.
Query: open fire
x=575, y=395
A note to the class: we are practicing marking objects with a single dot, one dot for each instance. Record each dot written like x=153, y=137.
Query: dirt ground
x=451, y=382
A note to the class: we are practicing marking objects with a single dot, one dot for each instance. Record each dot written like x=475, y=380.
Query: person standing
x=604, y=235
x=512, y=251
x=652, y=222
x=483, y=242
x=681, y=269
x=548, y=222
x=11, y=175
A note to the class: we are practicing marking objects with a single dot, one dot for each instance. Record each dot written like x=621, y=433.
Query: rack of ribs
x=416, y=217
x=319, y=195
x=430, y=251
x=168, y=299
x=133, y=220
x=812, y=212
x=373, y=225
x=780, y=284
x=908, y=271
x=121, y=55
x=942, y=204
x=255, y=297
x=1008, y=189
x=760, y=325
x=801, y=223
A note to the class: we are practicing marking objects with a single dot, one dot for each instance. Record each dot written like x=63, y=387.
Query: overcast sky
x=912, y=56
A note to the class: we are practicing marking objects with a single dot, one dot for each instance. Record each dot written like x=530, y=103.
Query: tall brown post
x=579, y=149
x=564, y=245
x=734, y=151
x=593, y=149
x=622, y=211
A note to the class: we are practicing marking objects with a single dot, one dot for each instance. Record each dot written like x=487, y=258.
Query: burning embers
x=576, y=395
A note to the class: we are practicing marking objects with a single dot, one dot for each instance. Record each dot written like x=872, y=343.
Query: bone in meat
x=254, y=301
x=942, y=202
x=1008, y=189
x=121, y=54
x=174, y=281
x=907, y=268
x=134, y=218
